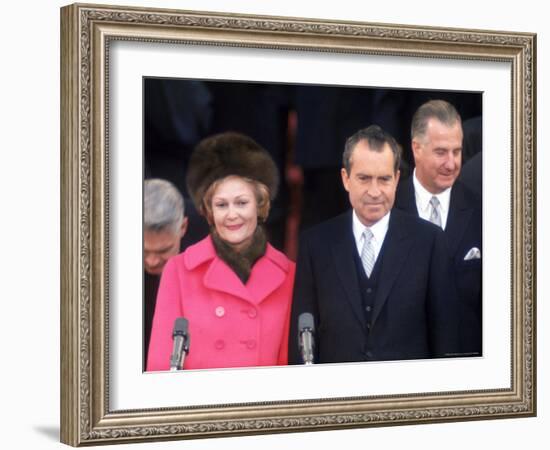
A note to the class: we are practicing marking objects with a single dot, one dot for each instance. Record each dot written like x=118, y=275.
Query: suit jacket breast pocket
x=469, y=265
x=469, y=280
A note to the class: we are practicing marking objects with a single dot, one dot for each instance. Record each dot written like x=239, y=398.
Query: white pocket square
x=473, y=253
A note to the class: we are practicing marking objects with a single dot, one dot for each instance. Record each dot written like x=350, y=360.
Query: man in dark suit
x=434, y=193
x=377, y=281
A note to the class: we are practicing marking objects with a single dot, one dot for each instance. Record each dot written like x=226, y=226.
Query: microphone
x=182, y=340
x=306, y=332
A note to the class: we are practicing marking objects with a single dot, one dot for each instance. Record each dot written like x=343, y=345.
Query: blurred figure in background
x=164, y=225
x=471, y=173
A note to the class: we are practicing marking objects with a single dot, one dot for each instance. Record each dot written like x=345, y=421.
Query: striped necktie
x=435, y=217
x=367, y=253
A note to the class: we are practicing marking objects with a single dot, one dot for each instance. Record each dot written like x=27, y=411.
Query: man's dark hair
x=376, y=138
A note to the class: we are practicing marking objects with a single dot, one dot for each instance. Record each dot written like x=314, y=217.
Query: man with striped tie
x=435, y=194
x=377, y=281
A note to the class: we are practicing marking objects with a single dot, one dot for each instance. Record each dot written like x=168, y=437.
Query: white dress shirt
x=379, y=230
x=423, y=198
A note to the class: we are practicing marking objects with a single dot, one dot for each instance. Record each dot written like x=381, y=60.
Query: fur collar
x=241, y=263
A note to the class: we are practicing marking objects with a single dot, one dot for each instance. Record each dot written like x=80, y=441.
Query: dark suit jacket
x=414, y=313
x=150, y=289
x=471, y=174
x=463, y=232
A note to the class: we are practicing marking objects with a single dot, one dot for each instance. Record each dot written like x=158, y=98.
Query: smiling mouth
x=233, y=227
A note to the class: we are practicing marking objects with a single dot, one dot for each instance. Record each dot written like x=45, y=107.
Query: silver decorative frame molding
x=86, y=33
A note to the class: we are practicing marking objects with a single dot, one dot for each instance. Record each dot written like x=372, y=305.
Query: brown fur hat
x=225, y=154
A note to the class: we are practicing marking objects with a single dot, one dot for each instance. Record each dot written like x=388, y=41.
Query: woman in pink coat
x=233, y=288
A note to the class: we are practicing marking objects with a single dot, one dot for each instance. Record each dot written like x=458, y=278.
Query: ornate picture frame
x=87, y=34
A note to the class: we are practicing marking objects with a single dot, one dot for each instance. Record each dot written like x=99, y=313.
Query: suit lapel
x=396, y=248
x=458, y=218
x=343, y=252
x=406, y=198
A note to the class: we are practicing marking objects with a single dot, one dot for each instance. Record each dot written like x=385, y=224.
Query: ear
x=397, y=175
x=416, y=148
x=345, y=178
x=183, y=228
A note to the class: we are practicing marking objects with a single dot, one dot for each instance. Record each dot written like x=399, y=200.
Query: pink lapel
x=219, y=277
x=267, y=275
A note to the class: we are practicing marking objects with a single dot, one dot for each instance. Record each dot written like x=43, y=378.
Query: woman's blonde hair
x=260, y=190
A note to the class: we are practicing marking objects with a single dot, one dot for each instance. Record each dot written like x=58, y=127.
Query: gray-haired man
x=434, y=193
x=164, y=225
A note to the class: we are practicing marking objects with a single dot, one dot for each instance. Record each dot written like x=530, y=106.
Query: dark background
x=304, y=128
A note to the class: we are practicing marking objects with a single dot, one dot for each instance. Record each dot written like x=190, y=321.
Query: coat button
x=251, y=344
x=368, y=308
x=369, y=290
x=368, y=355
x=252, y=313
x=220, y=311
x=219, y=344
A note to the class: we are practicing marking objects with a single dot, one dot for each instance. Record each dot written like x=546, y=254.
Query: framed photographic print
x=109, y=57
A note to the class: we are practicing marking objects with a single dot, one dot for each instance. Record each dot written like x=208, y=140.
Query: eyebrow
x=160, y=250
x=364, y=175
x=246, y=195
x=445, y=148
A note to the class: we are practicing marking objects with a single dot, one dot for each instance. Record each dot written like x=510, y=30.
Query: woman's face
x=235, y=212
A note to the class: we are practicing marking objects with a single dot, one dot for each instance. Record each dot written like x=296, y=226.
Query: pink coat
x=231, y=324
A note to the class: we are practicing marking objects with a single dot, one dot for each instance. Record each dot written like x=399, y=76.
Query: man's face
x=158, y=246
x=438, y=155
x=371, y=183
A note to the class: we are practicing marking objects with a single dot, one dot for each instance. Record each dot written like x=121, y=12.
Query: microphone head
x=305, y=321
x=181, y=326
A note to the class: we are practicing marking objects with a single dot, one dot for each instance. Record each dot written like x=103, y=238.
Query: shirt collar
x=378, y=229
x=423, y=196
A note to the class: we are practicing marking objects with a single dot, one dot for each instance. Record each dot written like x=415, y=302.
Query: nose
x=152, y=260
x=374, y=190
x=451, y=162
x=231, y=212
